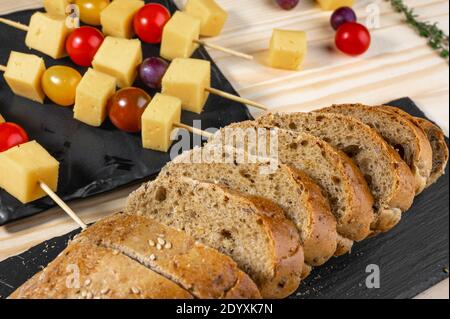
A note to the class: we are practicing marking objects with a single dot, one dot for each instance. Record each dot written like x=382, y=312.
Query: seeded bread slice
x=436, y=138
x=404, y=136
x=299, y=197
x=203, y=271
x=86, y=271
x=251, y=230
x=343, y=185
x=389, y=177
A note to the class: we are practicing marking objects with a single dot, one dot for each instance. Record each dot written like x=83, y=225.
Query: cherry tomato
x=11, y=135
x=149, y=22
x=125, y=109
x=352, y=38
x=60, y=83
x=82, y=45
x=90, y=10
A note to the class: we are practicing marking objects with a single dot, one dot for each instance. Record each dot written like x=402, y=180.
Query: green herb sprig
x=437, y=39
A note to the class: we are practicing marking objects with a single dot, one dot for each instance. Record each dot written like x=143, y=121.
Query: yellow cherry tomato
x=60, y=83
x=90, y=10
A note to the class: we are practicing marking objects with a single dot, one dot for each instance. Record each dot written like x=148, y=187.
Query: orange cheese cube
x=287, y=49
x=335, y=4
x=23, y=166
x=210, y=14
x=117, y=17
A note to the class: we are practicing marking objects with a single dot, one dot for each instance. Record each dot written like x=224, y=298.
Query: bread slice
x=203, y=271
x=299, y=197
x=343, y=185
x=251, y=230
x=436, y=138
x=86, y=271
x=389, y=177
x=404, y=136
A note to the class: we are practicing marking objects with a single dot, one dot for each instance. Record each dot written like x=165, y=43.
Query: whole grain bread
x=203, y=271
x=299, y=197
x=389, y=177
x=251, y=230
x=342, y=183
x=86, y=271
x=436, y=138
x=404, y=136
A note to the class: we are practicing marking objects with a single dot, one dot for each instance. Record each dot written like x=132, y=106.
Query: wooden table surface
x=399, y=63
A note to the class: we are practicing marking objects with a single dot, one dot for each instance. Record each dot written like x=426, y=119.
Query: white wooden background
x=399, y=63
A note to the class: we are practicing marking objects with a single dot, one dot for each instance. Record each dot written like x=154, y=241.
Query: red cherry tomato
x=149, y=22
x=125, y=109
x=11, y=135
x=352, y=38
x=82, y=45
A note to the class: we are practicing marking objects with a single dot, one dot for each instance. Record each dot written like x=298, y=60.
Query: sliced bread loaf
x=251, y=230
x=86, y=271
x=404, y=136
x=389, y=177
x=203, y=271
x=299, y=197
x=436, y=138
x=343, y=185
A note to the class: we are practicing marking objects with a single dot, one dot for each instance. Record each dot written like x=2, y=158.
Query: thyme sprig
x=437, y=39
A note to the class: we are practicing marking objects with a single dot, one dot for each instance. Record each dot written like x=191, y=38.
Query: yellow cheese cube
x=119, y=58
x=117, y=18
x=57, y=7
x=92, y=95
x=178, y=36
x=47, y=34
x=157, y=122
x=23, y=75
x=2, y=120
x=210, y=14
x=23, y=166
x=187, y=79
x=335, y=4
x=287, y=49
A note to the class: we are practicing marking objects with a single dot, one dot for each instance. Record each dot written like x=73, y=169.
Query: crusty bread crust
x=402, y=188
x=318, y=231
x=203, y=271
x=420, y=157
x=287, y=255
x=101, y=273
x=358, y=216
x=435, y=136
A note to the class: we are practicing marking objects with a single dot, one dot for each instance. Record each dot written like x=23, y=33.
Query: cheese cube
x=119, y=58
x=117, y=18
x=23, y=75
x=157, y=122
x=57, y=7
x=47, y=34
x=179, y=35
x=23, y=166
x=92, y=95
x=187, y=79
x=335, y=4
x=287, y=49
x=210, y=14
x=2, y=120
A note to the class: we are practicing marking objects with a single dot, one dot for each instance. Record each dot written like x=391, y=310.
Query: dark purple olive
x=341, y=16
x=287, y=4
x=152, y=71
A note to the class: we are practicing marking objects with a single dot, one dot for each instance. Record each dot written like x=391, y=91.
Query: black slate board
x=93, y=160
x=411, y=258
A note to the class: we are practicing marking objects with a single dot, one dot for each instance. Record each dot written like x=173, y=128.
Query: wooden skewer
x=226, y=50
x=15, y=24
x=194, y=130
x=2, y=68
x=236, y=98
x=62, y=204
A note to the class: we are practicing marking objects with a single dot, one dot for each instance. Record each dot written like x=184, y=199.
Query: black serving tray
x=410, y=258
x=93, y=160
